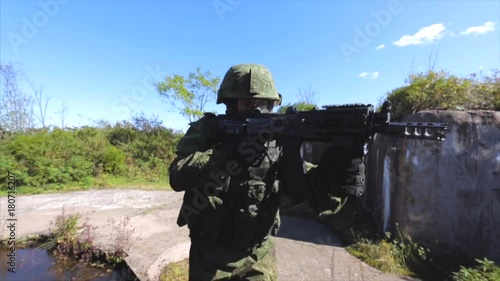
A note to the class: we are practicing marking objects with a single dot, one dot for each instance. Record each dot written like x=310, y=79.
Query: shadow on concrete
x=306, y=231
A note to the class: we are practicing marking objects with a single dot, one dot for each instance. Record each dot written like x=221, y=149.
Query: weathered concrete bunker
x=445, y=195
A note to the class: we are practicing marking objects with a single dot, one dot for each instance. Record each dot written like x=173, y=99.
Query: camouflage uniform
x=232, y=199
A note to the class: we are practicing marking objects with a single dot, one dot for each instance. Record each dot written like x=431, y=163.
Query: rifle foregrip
x=414, y=130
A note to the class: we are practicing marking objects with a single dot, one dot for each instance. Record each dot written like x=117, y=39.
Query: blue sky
x=101, y=57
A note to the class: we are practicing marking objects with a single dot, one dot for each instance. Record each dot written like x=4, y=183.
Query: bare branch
x=307, y=96
x=40, y=102
x=63, y=113
x=15, y=106
x=433, y=63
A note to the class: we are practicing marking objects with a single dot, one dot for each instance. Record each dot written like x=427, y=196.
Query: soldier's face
x=251, y=104
x=245, y=107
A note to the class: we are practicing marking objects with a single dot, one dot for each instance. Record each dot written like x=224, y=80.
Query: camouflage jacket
x=233, y=201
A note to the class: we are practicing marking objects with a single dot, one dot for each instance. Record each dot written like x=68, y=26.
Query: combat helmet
x=246, y=81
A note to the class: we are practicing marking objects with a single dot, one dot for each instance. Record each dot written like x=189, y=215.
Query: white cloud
x=363, y=74
x=370, y=75
x=426, y=34
x=476, y=30
x=380, y=47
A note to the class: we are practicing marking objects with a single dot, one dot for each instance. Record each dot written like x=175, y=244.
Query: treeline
x=138, y=150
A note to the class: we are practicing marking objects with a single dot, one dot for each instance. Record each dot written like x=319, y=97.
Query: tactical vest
x=245, y=211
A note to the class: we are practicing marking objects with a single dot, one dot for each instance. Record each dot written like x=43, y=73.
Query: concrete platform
x=305, y=250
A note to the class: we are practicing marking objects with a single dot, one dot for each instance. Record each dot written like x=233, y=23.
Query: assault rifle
x=350, y=127
x=349, y=124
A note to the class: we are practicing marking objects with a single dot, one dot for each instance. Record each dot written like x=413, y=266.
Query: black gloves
x=342, y=171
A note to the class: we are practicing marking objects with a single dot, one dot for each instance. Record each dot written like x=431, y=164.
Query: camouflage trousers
x=207, y=264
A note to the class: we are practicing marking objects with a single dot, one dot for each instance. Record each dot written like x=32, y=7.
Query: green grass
x=176, y=271
x=390, y=255
x=107, y=183
x=400, y=255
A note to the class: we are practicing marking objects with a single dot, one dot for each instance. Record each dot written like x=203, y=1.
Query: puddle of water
x=39, y=265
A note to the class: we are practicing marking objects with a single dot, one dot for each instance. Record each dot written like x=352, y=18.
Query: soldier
x=233, y=186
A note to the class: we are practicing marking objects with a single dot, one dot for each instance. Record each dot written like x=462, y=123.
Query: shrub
x=485, y=270
x=442, y=91
x=140, y=150
x=398, y=256
x=300, y=106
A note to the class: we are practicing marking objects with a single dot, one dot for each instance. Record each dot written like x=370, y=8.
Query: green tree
x=189, y=94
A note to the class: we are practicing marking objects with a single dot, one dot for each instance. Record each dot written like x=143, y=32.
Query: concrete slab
x=305, y=250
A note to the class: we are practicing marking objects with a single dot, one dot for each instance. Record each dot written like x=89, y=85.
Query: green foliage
x=307, y=101
x=442, y=91
x=70, y=238
x=300, y=106
x=137, y=150
x=390, y=255
x=41, y=157
x=65, y=229
x=485, y=270
x=148, y=147
x=189, y=95
x=114, y=160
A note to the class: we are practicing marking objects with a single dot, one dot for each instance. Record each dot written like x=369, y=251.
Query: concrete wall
x=446, y=195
